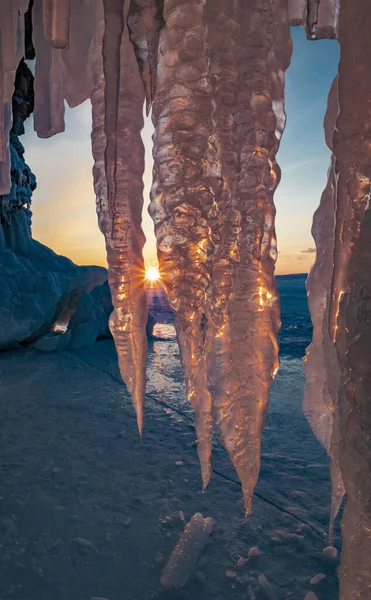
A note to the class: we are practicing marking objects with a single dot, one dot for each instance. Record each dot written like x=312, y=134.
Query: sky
x=63, y=204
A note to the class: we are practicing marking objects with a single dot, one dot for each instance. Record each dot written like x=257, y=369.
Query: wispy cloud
x=300, y=164
x=308, y=251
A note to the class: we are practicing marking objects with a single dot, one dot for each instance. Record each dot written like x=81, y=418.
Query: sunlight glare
x=152, y=273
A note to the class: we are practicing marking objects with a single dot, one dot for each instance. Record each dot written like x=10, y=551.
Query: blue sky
x=64, y=203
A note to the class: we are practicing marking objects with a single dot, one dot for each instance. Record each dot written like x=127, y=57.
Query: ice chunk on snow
x=186, y=553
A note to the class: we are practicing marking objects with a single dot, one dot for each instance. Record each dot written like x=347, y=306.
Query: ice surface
x=186, y=553
x=118, y=180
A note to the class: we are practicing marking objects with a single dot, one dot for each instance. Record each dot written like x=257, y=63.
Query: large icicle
x=219, y=115
x=350, y=309
x=118, y=151
x=186, y=180
x=246, y=342
x=321, y=364
x=145, y=22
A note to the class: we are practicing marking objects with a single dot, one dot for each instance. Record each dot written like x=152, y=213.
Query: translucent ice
x=187, y=551
x=321, y=363
x=218, y=113
x=118, y=180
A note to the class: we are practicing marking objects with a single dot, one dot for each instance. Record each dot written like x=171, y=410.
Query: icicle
x=11, y=51
x=56, y=19
x=246, y=344
x=186, y=553
x=321, y=364
x=118, y=171
x=145, y=21
x=218, y=113
x=49, y=101
x=76, y=62
x=350, y=316
x=186, y=180
x=297, y=12
x=322, y=19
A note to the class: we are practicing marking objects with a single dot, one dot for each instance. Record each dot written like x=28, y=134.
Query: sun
x=152, y=274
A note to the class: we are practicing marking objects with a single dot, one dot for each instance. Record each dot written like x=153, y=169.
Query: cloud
x=308, y=251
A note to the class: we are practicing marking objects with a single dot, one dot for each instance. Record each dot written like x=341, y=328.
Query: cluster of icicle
x=213, y=72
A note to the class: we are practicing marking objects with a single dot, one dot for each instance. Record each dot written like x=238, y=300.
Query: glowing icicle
x=186, y=179
x=56, y=19
x=49, y=99
x=145, y=21
x=350, y=315
x=246, y=352
x=118, y=172
x=219, y=104
x=321, y=364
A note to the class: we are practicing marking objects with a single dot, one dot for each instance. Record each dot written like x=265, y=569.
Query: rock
x=241, y=562
x=90, y=321
x=253, y=552
x=330, y=553
x=83, y=543
x=267, y=588
x=317, y=578
x=83, y=336
x=231, y=574
x=38, y=287
x=310, y=596
x=47, y=343
x=63, y=341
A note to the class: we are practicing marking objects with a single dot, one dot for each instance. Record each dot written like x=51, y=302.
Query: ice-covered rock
x=38, y=287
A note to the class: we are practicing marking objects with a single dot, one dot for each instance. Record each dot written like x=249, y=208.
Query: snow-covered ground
x=88, y=509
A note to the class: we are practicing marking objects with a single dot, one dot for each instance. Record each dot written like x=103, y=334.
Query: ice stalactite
x=63, y=60
x=56, y=20
x=218, y=113
x=11, y=51
x=117, y=102
x=186, y=181
x=75, y=63
x=49, y=98
x=145, y=21
x=321, y=363
x=319, y=17
x=350, y=308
